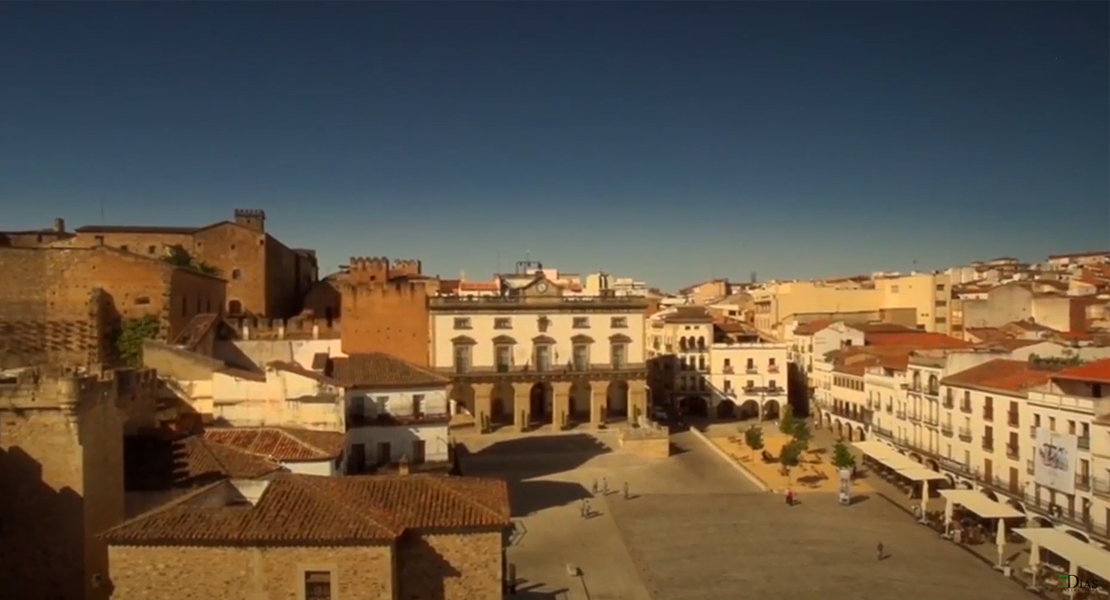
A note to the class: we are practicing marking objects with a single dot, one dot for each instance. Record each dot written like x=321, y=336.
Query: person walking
x=588, y=510
x=605, y=485
x=595, y=486
x=626, y=490
x=880, y=549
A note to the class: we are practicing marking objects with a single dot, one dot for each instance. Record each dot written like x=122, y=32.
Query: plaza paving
x=697, y=529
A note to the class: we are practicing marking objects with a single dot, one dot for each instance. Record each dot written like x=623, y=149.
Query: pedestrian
x=786, y=497
x=880, y=548
x=588, y=510
x=626, y=490
x=605, y=485
x=582, y=509
x=595, y=486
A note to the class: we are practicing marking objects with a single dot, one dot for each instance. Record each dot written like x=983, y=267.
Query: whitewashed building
x=748, y=380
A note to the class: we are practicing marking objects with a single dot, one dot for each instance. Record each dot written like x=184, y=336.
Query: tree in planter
x=801, y=435
x=789, y=457
x=180, y=257
x=129, y=344
x=842, y=457
x=787, y=424
x=753, y=439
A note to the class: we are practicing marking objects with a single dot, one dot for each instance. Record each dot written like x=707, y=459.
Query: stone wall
x=206, y=573
x=389, y=317
x=61, y=463
x=451, y=566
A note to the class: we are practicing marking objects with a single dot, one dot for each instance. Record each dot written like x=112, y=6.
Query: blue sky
x=667, y=141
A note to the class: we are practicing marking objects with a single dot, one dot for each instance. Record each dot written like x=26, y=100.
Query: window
x=462, y=358
x=419, y=452
x=142, y=300
x=235, y=274
x=385, y=454
x=750, y=384
x=418, y=405
x=893, y=289
x=941, y=303
x=462, y=322
x=728, y=385
x=124, y=248
x=618, y=355
x=234, y=307
x=701, y=363
x=542, y=354
x=503, y=323
x=150, y=249
x=1052, y=423
x=751, y=364
x=581, y=322
x=618, y=323
x=317, y=585
x=771, y=384
x=581, y=357
x=728, y=362
x=503, y=355
x=543, y=323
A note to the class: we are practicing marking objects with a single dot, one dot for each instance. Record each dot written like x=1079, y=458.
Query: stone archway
x=616, y=399
x=851, y=433
x=579, y=401
x=726, y=409
x=931, y=464
x=749, y=409
x=1017, y=505
x=694, y=406
x=989, y=494
x=1040, y=521
x=859, y=433
x=538, y=399
x=915, y=457
x=840, y=429
x=771, y=410
x=502, y=403
x=462, y=396
x=1077, y=535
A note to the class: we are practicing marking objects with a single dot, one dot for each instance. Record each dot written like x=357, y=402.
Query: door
x=988, y=471
x=1014, y=487
x=357, y=460
x=384, y=453
x=418, y=452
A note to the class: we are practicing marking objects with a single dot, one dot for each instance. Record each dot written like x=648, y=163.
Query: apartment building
x=678, y=341
x=748, y=380
x=535, y=356
x=1065, y=414
x=927, y=294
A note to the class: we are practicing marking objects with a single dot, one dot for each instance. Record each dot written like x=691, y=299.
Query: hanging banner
x=1054, y=460
x=845, y=486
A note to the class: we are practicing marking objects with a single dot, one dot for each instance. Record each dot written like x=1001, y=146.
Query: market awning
x=892, y=459
x=1086, y=556
x=981, y=505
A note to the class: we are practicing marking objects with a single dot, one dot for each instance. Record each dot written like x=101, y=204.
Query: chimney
x=60, y=225
x=403, y=465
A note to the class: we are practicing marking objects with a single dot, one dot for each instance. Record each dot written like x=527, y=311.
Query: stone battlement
x=56, y=387
x=294, y=328
x=364, y=269
x=250, y=212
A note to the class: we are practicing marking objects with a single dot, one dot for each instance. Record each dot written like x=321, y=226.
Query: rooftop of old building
x=1001, y=375
x=379, y=370
x=1096, y=372
x=282, y=444
x=317, y=510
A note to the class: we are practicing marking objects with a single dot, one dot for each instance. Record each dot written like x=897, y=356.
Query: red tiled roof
x=154, y=463
x=1000, y=374
x=380, y=370
x=478, y=286
x=690, y=314
x=449, y=286
x=1096, y=371
x=920, y=340
x=812, y=327
x=306, y=509
x=988, y=334
x=283, y=444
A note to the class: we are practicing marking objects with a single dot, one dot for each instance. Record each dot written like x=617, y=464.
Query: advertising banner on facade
x=1054, y=459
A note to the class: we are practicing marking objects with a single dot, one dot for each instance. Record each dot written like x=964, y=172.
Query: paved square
x=695, y=529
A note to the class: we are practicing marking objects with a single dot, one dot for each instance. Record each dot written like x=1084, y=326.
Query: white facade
x=317, y=467
x=277, y=398
x=385, y=425
x=748, y=379
x=529, y=337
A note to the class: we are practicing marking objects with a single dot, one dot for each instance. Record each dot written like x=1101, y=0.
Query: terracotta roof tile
x=920, y=340
x=1000, y=374
x=380, y=370
x=691, y=314
x=1096, y=371
x=154, y=463
x=306, y=509
x=282, y=444
x=812, y=327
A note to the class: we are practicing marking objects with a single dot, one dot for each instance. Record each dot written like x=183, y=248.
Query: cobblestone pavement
x=695, y=528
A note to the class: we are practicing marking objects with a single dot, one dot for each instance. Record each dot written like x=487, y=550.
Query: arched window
x=234, y=307
x=933, y=384
x=917, y=380
x=701, y=343
x=682, y=343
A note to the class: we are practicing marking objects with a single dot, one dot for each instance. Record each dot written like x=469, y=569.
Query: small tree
x=842, y=456
x=802, y=435
x=753, y=439
x=129, y=344
x=786, y=422
x=789, y=457
x=180, y=257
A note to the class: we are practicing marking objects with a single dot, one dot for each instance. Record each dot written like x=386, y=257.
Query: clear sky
x=672, y=142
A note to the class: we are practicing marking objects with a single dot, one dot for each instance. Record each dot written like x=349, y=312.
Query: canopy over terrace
x=981, y=505
x=1080, y=554
x=905, y=467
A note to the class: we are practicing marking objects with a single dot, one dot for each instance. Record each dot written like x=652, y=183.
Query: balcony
x=965, y=434
x=988, y=414
x=930, y=420
x=932, y=391
x=901, y=414
x=948, y=403
x=988, y=445
x=727, y=370
x=1084, y=443
x=1032, y=431
x=1012, y=451
x=965, y=407
x=1012, y=419
x=885, y=433
x=1083, y=481
x=772, y=368
x=570, y=370
x=531, y=303
x=751, y=370
x=1101, y=487
x=913, y=417
x=946, y=429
